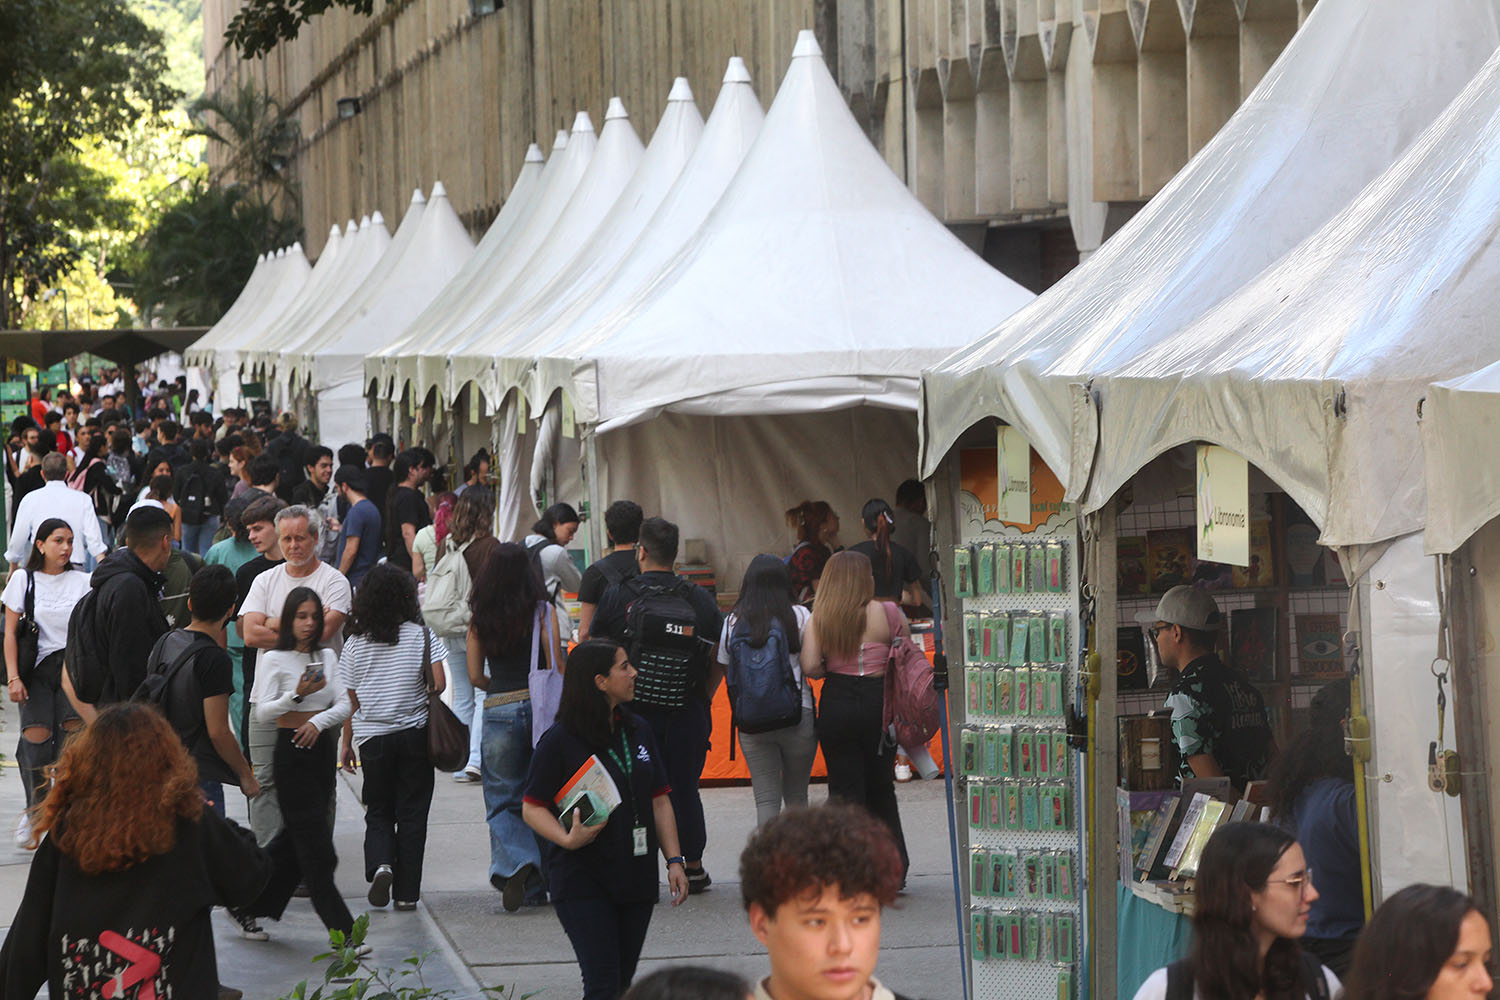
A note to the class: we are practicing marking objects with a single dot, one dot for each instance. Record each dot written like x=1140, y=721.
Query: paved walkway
x=472, y=942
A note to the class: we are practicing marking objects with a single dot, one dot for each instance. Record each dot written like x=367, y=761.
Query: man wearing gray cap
x=1218, y=718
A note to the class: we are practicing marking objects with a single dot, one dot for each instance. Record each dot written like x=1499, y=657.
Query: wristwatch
x=297, y=698
x=678, y=860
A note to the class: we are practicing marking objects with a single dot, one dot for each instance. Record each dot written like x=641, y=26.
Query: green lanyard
x=627, y=765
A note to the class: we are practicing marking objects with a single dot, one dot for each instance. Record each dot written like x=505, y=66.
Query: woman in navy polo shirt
x=603, y=878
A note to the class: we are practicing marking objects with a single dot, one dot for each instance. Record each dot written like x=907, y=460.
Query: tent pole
x=595, y=494
x=1470, y=697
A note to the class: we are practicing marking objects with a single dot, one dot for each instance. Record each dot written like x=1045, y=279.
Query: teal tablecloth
x=1149, y=938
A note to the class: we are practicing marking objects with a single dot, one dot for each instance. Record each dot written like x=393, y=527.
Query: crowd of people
x=289, y=612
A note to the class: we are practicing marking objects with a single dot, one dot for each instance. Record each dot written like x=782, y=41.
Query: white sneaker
x=23, y=830
x=903, y=771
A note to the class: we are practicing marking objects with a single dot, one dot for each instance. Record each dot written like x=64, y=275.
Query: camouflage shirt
x=1216, y=711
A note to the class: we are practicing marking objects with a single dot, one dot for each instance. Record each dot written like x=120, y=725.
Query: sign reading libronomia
x=1015, y=476
x=1223, y=506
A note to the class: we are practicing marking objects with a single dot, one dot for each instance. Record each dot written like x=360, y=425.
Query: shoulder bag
x=28, y=633
x=544, y=681
x=447, y=736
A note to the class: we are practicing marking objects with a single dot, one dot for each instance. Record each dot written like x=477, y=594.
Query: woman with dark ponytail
x=897, y=577
x=1254, y=894
x=817, y=528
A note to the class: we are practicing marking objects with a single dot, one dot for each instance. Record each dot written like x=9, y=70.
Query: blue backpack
x=763, y=689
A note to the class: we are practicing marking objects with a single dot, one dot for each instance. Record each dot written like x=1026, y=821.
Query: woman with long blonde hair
x=131, y=865
x=848, y=642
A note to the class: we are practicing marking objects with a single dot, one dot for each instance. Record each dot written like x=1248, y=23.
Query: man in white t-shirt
x=297, y=531
x=55, y=499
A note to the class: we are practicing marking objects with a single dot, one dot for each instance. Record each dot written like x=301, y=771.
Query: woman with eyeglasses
x=1426, y=941
x=1254, y=895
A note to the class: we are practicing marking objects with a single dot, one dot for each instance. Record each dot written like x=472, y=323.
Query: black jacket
x=129, y=619
x=75, y=931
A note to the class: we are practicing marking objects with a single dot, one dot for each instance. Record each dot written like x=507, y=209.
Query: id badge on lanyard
x=638, y=845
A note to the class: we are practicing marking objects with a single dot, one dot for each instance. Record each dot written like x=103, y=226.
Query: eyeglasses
x=1157, y=629
x=1302, y=881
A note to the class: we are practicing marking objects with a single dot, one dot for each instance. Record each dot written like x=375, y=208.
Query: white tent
x=560, y=180
x=671, y=147
x=1351, y=90
x=285, y=273
x=426, y=253
x=451, y=363
x=543, y=363
x=776, y=356
x=1460, y=429
x=463, y=289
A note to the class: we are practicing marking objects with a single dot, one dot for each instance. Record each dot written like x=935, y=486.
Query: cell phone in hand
x=314, y=672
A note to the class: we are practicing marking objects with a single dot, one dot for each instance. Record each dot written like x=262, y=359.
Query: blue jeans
x=507, y=758
x=196, y=538
x=467, y=705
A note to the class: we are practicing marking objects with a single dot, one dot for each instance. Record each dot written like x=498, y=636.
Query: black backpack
x=1314, y=984
x=763, y=691
x=84, y=656
x=194, y=499
x=157, y=686
x=661, y=638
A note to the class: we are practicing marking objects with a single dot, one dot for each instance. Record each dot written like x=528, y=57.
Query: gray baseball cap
x=1186, y=606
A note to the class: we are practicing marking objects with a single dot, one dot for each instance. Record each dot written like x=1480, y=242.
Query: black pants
x=607, y=939
x=303, y=851
x=397, y=794
x=682, y=740
x=861, y=762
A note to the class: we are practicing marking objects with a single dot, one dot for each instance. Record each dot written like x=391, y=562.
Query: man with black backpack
x=200, y=493
x=190, y=677
x=622, y=522
x=670, y=628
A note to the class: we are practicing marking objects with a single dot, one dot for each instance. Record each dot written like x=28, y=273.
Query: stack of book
x=700, y=573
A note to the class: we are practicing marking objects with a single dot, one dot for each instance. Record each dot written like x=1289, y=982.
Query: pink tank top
x=873, y=657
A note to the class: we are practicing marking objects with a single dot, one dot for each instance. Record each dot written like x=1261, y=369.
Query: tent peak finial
x=438, y=191
x=736, y=71
x=417, y=197
x=681, y=90
x=582, y=122
x=560, y=141
x=364, y=221
x=376, y=219
x=807, y=45
x=534, y=154
x=616, y=110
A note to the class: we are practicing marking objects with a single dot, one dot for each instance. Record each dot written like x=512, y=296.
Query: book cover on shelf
x=1319, y=646
x=1209, y=820
x=1304, y=556
x=1252, y=642
x=1130, y=562
x=1213, y=575
x=1130, y=652
x=1173, y=858
x=1170, y=558
x=1156, y=836
x=1262, y=569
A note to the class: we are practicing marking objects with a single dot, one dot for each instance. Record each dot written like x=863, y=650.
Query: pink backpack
x=911, y=702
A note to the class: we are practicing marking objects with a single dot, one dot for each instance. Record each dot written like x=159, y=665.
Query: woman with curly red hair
x=130, y=866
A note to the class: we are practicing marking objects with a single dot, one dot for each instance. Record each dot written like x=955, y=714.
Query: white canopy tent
x=1352, y=89
x=451, y=363
x=463, y=289
x=426, y=253
x=776, y=357
x=560, y=180
x=282, y=276
x=1460, y=429
x=543, y=363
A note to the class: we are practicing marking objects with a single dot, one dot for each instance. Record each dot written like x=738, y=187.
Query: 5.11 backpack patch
x=661, y=638
x=763, y=691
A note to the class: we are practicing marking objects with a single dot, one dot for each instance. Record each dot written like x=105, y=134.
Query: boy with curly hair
x=814, y=882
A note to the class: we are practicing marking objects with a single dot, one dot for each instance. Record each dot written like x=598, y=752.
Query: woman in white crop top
x=294, y=688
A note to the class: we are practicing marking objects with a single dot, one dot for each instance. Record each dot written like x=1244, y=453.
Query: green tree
x=72, y=71
x=256, y=138
x=261, y=24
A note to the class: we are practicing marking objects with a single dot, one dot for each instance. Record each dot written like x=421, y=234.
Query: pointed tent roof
x=671, y=147
x=1315, y=370
x=285, y=274
x=1357, y=82
x=461, y=293
x=424, y=263
x=451, y=363
x=374, y=281
x=732, y=128
x=1460, y=425
x=250, y=299
x=561, y=175
x=818, y=282
x=318, y=280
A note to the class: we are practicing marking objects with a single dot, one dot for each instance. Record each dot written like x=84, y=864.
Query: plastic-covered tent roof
x=671, y=147
x=275, y=282
x=1460, y=428
x=464, y=287
x=358, y=254
x=543, y=363
x=1356, y=84
x=560, y=180
x=1315, y=370
x=451, y=363
x=818, y=282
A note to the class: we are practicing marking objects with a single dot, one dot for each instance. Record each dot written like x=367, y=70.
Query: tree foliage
x=256, y=138
x=261, y=24
x=72, y=72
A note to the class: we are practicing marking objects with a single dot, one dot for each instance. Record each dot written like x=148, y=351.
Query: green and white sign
x=1223, y=506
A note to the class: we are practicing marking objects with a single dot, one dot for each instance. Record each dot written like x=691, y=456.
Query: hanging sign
x=520, y=413
x=473, y=404
x=567, y=416
x=1223, y=506
x=1014, y=453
